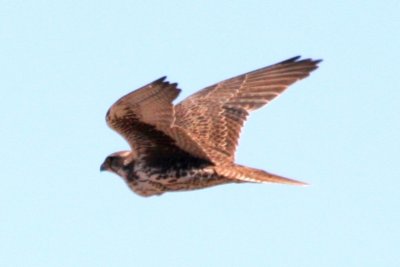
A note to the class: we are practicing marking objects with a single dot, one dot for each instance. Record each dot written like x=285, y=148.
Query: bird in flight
x=191, y=145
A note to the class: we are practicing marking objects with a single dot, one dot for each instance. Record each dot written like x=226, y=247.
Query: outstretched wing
x=144, y=118
x=215, y=115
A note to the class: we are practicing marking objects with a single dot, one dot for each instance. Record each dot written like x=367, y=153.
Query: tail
x=246, y=174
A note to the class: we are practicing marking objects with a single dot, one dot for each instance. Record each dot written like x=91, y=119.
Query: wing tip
x=298, y=59
x=290, y=60
x=165, y=83
x=160, y=81
x=308, y=63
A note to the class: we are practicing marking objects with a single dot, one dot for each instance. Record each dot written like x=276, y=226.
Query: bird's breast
x=148, y=181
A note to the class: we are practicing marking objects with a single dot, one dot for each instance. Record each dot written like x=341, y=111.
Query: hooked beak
x=103, y=167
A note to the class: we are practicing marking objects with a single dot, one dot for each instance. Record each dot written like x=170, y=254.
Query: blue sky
x=63, y=63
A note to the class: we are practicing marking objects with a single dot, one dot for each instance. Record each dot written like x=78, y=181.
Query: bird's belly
x=155, y=182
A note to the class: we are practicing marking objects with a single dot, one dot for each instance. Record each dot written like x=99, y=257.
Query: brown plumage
x=192, y=145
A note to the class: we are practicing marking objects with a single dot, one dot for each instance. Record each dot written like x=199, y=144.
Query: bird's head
x=119, y=162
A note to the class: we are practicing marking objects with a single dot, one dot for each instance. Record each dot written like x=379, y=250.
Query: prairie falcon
x=191, y=145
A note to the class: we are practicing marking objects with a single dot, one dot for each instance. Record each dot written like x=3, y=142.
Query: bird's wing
x=145, y=117
x=215, y=115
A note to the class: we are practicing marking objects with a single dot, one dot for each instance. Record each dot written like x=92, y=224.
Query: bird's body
x=191, y=145
x=155, y=179
x=147, y=181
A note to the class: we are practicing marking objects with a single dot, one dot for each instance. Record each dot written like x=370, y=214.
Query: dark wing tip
x=160, y=80
x=164, y=83
x=314, y=62
x=290, y=60
x=297, y=59
x=309, y=63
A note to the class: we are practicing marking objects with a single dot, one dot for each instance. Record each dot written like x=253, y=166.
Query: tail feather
x=247, y=174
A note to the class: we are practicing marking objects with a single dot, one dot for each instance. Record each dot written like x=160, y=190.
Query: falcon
x=191, y=145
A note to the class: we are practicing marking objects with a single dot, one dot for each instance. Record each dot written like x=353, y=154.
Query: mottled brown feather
x=145, y=119
x=215, y=115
